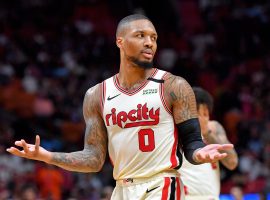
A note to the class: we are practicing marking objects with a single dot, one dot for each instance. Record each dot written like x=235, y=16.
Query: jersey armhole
x=102, y=96
x=161, y=93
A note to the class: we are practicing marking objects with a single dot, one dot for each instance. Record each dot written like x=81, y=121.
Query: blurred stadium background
x=51, y=52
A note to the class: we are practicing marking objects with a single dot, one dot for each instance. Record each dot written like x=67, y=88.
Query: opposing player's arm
x=217, y=135
x=92, y=157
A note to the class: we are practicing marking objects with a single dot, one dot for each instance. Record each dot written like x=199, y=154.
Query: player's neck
x=131, y=77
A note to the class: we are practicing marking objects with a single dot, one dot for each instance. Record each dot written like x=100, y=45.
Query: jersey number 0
x=146, y=140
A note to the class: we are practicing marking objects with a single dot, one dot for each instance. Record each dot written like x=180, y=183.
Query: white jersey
x=201, y=180
x=142, y=138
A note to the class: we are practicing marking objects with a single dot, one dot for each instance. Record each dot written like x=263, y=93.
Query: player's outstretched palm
x=212, y=152
x=30, y=151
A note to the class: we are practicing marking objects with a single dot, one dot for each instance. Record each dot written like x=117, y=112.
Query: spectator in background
x=50, y=181
x=106, y=193
x=237, y=193
x=28, y=192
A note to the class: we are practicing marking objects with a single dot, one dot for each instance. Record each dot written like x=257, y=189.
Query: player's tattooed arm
x=217, y=135
x=180, y=97
x=92, y=157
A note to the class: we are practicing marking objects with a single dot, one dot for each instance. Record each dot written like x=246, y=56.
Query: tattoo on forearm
x=76, y=161
x=73, y=159
x=92, y=157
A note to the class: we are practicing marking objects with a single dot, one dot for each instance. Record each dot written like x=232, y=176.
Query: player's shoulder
x=97, y=89
x=94, y=90
x=170, y=78
x=91, y=103
x=176, y=84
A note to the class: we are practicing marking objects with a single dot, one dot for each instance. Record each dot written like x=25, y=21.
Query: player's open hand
x=30, y=151
x=212, y=153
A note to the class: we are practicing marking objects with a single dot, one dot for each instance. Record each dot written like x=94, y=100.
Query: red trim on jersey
x=186, y=190
x=174, y=160
x=178, y=189
x=130, y=93
x=214, y=165
x=161, y=92
x=165, y=190
x=103, y=95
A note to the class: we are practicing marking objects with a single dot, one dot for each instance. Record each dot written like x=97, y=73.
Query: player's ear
x=119, y=42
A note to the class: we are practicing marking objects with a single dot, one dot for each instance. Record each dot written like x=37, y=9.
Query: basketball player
x=202, y=182
x=136, y=114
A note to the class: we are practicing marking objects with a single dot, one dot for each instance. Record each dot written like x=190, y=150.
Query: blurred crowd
x=51, y=52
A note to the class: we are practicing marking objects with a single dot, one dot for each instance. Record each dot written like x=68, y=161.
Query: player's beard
x=142, y=64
